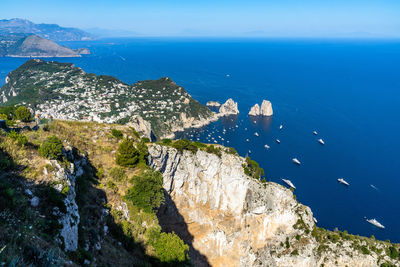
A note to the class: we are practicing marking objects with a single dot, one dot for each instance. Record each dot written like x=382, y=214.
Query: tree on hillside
x=23, y=114
x=51, y=148
x=128, y=155
x=147, y=191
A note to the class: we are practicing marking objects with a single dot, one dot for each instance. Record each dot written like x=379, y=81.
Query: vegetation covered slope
x=62, y=91
x=116, y=203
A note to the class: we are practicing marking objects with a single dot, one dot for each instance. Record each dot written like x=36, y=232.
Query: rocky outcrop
x=265, y=110
x=230, y=107
x=235, y=220
x=140, y=125
x=213, y=104
x=64, y=179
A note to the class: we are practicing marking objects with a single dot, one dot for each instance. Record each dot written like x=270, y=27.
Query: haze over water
x=346, y=90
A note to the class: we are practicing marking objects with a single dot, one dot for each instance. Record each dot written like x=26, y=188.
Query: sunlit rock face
x=230, y=107
x=265, y=110
x=231, y=219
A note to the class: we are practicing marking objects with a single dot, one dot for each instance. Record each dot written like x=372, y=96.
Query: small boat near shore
x=289, y=183
x=342, y=181
x=256, y=134
x=266, y=146
x=315, y=133
x=278, y=141
x=281, y=127
x=321, y=141
x=295, y=160
x=247, y=140
x=376, y=223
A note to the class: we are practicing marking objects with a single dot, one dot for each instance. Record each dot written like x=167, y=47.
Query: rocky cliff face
x=235, y=220
x=265, y=110
x=230, y=107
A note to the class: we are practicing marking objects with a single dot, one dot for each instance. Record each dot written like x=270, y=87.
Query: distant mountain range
x=52, y=32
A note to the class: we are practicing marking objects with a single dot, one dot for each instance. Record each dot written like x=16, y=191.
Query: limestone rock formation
x=141, y=126
x=230, y=107
x=213, y=104
x=265, y=110
x=230, y=219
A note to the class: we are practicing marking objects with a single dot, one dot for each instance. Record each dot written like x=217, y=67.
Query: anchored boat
x=321, y=141
x=342, y=181
x=376, y=223
x=295, y=160
x=289, y=183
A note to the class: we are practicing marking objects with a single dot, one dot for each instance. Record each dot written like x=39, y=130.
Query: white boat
x=321, y=141
x=278, y=141
x=295, y=160
x=266, y=146
x=289, y=183
x=228, y=75
x=256, y=134
x=315, y=220
x=315, y=133
x=247, y=140
x=245, y=129
x=281, y=127
x=376, y=223
x=249, y=151
x=342, y=181
x=374, y=187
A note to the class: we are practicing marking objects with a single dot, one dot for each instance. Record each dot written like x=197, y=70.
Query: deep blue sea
x=346, y=90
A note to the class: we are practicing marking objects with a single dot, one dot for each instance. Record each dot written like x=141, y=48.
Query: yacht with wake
x=295, y=160
x=342, y=181
x=289, y=183
x=376, y=223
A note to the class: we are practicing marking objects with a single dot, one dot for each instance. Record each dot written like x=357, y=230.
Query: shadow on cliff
x=27, y=209
x=172, y=221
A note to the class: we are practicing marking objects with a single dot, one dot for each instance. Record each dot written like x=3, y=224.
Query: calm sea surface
x=347, y=91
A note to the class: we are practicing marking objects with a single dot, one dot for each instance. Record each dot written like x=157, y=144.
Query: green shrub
x=23, y=114
x=251, y=168
x=118, y=174
x=365, y=250
x=145, y=140
x=128, y=155
x=147, y=191
x=51, y=148
x=7, y=196
x=184, y=144
x=393, y=252
x=21, y=139
x=117, y=133
x=5, y=163
x=166, y=141
x=171, y=249
x=6, y=118
x=214, y=150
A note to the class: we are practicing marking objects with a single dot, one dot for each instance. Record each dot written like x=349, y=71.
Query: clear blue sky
x=273, y=18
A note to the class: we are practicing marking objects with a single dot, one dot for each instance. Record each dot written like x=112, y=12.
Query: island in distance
x=21, y=45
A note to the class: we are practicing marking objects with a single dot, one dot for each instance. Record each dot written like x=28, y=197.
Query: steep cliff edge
x=235, y=220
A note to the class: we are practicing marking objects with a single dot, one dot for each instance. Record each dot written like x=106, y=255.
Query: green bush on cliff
x=128, y=155
x=117, y=133
x=147, y=192
x=51, y=148
x=171, y=249
x=251, y=168
x=23, y=114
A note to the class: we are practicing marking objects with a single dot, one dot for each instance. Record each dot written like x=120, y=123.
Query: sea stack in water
x=230, y=107
x=213, y=104
x=265, y=110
